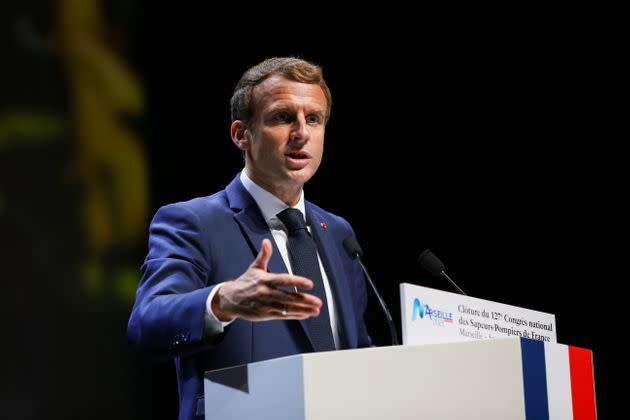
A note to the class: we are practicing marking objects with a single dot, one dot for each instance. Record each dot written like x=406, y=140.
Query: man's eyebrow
x=282, y=107
x=275, y=108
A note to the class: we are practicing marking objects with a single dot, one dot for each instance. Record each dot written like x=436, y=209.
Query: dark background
x=481, y=142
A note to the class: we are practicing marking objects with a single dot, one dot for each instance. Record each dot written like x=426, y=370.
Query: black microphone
x=354, y=250
x=433, y=265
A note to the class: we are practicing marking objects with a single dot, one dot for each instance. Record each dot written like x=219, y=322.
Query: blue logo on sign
x=438, y=316
x=418, y=309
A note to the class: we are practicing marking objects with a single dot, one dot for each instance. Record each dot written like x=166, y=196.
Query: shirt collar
x=269, y=204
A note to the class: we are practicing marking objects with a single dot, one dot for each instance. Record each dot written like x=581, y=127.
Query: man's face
x=285, y=144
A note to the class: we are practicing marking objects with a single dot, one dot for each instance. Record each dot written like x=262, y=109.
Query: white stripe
x=558, y=382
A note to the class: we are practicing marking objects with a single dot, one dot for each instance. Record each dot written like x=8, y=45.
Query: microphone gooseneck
x=433, y=265
x=355, y=252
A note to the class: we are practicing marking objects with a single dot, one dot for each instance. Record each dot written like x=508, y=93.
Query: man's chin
x=300, y=176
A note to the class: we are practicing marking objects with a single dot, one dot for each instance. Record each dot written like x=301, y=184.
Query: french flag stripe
x=582, y=383
x=534, y=380
x=558, y=382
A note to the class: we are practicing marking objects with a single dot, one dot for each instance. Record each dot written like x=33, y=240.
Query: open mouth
x=297, y=159
x=298, y=155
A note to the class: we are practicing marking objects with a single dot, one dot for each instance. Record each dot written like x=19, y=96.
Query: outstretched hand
x=257, y=295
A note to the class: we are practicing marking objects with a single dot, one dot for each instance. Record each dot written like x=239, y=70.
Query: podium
x=506, y=378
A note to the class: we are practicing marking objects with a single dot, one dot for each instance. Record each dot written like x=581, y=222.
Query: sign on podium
x=434, y=316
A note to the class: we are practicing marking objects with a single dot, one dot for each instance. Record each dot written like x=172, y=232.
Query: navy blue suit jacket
x=197, y=244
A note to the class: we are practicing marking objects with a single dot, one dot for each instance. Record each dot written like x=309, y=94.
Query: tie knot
x=293, y=219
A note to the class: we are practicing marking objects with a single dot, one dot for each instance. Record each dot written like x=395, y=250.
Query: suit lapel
x=252, y=223
x=328, y=248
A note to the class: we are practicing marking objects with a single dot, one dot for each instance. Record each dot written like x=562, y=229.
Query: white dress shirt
x=270, y=206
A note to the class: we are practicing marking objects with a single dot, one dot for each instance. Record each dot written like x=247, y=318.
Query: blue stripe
x=534, y=380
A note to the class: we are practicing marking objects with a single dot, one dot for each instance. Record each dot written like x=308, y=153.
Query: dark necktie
x=304, y=262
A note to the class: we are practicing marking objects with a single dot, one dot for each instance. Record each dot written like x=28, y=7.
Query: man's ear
x=240, y=134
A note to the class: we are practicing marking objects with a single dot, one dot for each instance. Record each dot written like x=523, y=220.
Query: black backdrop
x=471, y=145
x=478, y=140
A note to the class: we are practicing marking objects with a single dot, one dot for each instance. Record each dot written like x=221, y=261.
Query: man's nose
x=300, y=130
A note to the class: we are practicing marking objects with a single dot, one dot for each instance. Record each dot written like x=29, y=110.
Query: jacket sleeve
x=168, y=315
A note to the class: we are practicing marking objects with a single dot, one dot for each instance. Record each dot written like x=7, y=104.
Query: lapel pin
x=323, y=225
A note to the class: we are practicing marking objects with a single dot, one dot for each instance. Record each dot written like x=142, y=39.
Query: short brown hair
x=291, y=68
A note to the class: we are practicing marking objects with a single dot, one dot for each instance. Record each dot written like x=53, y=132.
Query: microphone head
x=352, y=247
x=430, y=262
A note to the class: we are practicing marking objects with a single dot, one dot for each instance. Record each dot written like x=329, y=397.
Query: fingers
x=288, y=280
x=264, y=302
x=294, y=312
x=262, y=259
x=291, y=305
x=279, y=299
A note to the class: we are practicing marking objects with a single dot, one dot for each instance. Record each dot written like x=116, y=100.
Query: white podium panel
x=488, y=379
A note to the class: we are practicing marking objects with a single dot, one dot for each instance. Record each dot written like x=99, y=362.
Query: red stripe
x=582, y=384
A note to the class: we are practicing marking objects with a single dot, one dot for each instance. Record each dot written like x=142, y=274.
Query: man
x=237, y=277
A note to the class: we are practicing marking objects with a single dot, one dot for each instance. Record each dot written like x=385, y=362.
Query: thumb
x=264, y=255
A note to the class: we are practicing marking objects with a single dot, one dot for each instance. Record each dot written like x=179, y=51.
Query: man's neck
x=288, y=195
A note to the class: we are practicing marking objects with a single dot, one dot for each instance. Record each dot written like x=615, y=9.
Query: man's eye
x=313, y=119
x=281, y=116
